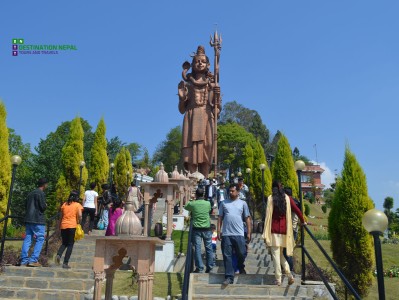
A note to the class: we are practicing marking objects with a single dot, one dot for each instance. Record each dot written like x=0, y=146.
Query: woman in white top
x=90, y=206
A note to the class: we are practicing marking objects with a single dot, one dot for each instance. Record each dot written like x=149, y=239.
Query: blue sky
x=322, y=72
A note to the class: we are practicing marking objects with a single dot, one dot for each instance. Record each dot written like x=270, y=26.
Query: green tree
x=169, y=151
x=25, y=177
x=271, y=148
x=237, y=150
x=234, y=112
x=71, y=155
x=259, y=158
x=123, y=165
x=283, y=166
x=351, y=244
x=114, y=146
x=395, y=222
x=135, y=150
x=99, y=168
x=48, y=163
x=296, y=155
x=5, y=163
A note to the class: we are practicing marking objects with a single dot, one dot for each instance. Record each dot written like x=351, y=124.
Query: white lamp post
x=299, y=167
x=376, y=222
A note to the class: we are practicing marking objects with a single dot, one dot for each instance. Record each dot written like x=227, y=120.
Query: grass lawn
x=390, y=255
x=180, y=238
x=14, y=244
x=164, y=284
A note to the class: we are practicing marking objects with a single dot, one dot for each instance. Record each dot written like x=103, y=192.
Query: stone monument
x=200, y=102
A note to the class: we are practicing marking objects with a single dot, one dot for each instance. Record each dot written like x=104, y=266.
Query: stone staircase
x=258, y=283
x=53, y=282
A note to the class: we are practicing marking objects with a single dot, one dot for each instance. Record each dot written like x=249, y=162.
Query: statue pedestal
x=109, y=253
x=165, y=257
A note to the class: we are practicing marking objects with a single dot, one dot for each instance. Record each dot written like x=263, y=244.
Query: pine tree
x=5, y=164
x=123, y=164
x=351, y=244
x=71, y=155
x=283, y=166
x=259, y=158
x=99, y=168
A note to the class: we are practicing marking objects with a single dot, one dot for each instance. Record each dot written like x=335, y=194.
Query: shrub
x=307, y=209
x=351, y=244
x=324, y=208
x=322, y=236
x=15, y=231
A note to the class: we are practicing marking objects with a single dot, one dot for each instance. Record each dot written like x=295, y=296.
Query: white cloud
x=328, y=176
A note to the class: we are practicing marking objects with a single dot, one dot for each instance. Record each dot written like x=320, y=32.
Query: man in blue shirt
x=232, y=212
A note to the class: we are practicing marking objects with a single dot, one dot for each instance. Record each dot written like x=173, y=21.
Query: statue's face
x=199, y=64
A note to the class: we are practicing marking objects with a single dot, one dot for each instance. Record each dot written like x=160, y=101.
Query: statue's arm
x=182, y=92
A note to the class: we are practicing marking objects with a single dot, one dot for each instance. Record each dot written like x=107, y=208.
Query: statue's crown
x=200, y=50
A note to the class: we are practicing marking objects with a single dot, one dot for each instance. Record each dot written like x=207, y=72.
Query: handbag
x=101, y=223
x=79, y=233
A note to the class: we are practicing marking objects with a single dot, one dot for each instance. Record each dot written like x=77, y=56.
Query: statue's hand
x=216, y=90
x=182, y=90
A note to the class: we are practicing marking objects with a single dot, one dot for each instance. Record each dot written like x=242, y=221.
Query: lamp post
x=81, y=166
x=248, y=171
x=232, y=179
x=269, y=159
x=376, y=222
x=127, y=178
x=262, y=167
x=299, y=166
x=15, y=161
x=111, y=174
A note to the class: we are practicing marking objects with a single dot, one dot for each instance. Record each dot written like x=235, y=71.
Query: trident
x=216, y=43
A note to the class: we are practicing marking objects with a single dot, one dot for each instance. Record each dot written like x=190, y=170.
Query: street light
x=239, y=174
x=111, y=174
x=262, y=167
x=299, y=167
x=15, y=161
x=81, y=166
x=127, y=178
x=232, y=178
x=248, y=171
x=376, y=222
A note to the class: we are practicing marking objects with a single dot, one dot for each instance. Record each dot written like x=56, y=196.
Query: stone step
x=250, y=256
x=47, y=283
x=48, y=272
x=244, y=297
x=248, y=262
x=81, y=265
x=39, y=294
x=84, y=259
x=252, y=290
x=249, y=269
x=245, y=279
x=251, y=285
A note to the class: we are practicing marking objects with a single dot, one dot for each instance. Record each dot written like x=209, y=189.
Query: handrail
x=5, y=238
x=342, y=276
x=188, y=268
x=56, y=216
